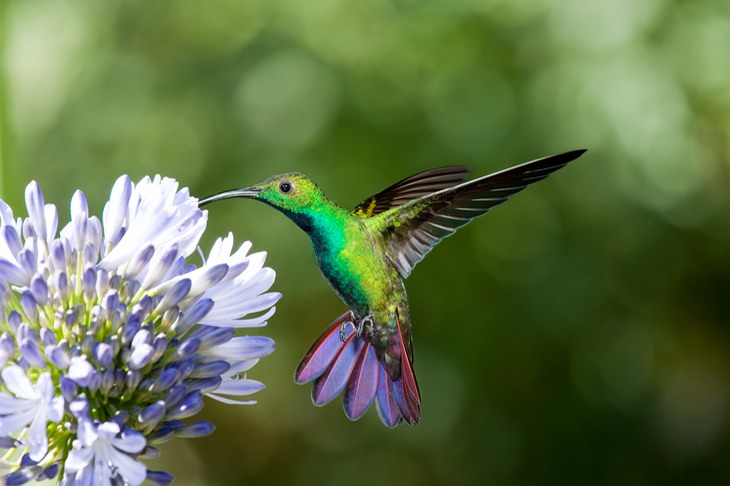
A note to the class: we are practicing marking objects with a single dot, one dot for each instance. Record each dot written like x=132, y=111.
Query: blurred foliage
x=579, y=334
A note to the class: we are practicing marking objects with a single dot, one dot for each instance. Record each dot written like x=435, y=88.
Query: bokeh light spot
x=287, y=100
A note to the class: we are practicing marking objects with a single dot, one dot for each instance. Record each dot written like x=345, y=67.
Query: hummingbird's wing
x=411, y=188
x=414, y=228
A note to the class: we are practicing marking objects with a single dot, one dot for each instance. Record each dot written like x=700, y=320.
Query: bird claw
x=343, y=329
x=366, y=326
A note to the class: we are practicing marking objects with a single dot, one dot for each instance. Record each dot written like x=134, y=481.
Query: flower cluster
x=109, y=339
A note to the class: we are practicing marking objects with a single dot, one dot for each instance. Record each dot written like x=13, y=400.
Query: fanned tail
x=354, y=365
x=410, y=404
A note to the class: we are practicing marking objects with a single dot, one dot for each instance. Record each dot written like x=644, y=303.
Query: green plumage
x=351, y=253
x=365, y=254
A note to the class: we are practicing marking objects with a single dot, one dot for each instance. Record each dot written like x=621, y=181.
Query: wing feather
x=418, y=225
x=413, y=187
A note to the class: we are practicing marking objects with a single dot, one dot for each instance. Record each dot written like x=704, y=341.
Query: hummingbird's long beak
x=245, y=192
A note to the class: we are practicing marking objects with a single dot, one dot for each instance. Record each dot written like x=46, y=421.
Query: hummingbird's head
x=292, y=193
x=289, y=193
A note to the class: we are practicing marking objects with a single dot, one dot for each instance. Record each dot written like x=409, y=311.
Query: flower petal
x=130, y=441
x=133, y=472
x=18, y=383
x=242, y=386
x=37, y=438
x=80, y=371
x=230, y=401
x=243, y=348
x=17, y=421
x=115, y=211
x=9, y=405
x=36, y=209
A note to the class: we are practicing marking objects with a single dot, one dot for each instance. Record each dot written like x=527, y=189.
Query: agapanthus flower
x=110, y=339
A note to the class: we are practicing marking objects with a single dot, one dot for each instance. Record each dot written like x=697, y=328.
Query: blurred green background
x=579, y=334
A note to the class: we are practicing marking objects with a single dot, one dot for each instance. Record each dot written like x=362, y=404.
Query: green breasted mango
x=365, y=255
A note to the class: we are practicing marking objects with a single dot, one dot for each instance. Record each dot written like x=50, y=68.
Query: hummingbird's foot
x=343, y=328
x=366, y=326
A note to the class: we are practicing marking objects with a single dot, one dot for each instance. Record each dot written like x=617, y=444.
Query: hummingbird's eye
x=285, y=187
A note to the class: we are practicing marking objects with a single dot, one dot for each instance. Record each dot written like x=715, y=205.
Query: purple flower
x=31, y=406
x=109, y=312
x=101, y=453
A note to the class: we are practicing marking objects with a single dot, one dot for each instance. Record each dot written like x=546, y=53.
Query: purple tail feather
x=353, y=365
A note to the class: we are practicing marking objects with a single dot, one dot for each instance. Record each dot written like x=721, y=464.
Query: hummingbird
x=366, y=254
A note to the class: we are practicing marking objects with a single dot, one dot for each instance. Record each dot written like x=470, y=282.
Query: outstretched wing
x=413, y=229
x=411, y=188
